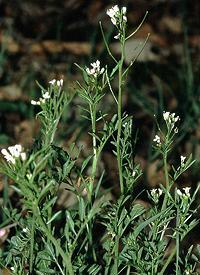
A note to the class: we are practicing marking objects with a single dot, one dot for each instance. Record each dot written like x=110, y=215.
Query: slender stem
x=65, y=257
x=94, y=141
x=177, y=243
x=94, y=167
x=128, y=270
x=166, y=181
x=119, y=113
x=116, y=255
x=140, y=25
x=32, y=244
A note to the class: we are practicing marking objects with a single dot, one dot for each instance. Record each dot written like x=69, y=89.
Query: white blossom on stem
x=170, y=117
x=187, y=191
x=46, y=95
x=185, y=194
x=13, y=153
x=156, y=192
x=117, y=17
x=96, y=70
x=157, y=140
x=183, y=160
x=59, y=83
x=52, y=82
x=33, y=102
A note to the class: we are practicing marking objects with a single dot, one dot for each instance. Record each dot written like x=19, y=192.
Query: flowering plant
x=134, y=239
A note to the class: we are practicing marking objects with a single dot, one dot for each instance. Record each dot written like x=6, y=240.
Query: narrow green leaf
x=54, y=216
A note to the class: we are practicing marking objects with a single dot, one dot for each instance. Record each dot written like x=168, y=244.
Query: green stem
x=166, y=181
x=116, y=255
x=94, y=141
x=65, y=257
x=128, y=270
x=32, y=244
x=119, y=113
x=94, y=167
x=177, y=243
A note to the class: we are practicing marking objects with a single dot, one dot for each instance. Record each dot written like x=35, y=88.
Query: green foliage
x=134, y=238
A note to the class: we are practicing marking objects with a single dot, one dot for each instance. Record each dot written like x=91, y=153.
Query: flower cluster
x=59, y=83
x=155, y=194
x=185, y=194
x=170, y=118
x=118, y=17
x=13, y=153
x=157, y=140
x=115, y=14
x=44, y=97
x=96, y=70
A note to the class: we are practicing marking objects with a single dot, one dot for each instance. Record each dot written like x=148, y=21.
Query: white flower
x=46, y=95
x=15, y=150
x=25, y=230
x=52, y=82
x=23, y=156
x=124, y=10
x=112, y=12
x=29, y=176
x=114, y=21
x=116, y=15
x=59, y=83
x=42, y=100
x=182, y=161
x=153, y=192
x=166, y=115
x=187, y=191
x=157, y=140
x=33, y=102
x=160, y=191
x=117, y=36
x=8, y=156
x=95, y=70
x=134, y=173
x=13, y=153
x=124, y=18
x=170, y=117
x=179, y=193
x=156, y=192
